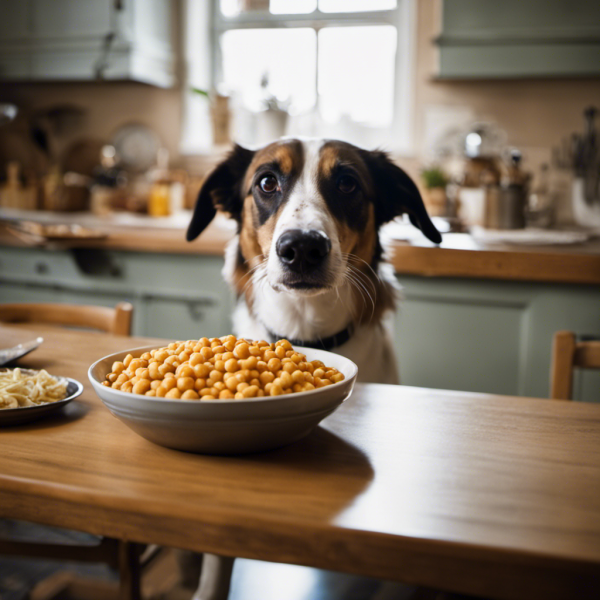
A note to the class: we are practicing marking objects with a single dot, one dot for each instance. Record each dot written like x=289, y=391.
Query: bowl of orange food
x=223, y=395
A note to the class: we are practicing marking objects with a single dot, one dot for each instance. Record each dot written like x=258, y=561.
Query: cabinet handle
x=196, y=309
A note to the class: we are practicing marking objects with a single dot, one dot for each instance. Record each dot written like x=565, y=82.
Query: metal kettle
x=504, y=205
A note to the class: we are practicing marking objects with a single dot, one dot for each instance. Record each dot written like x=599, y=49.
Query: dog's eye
x=268, y=184
x=347, y=184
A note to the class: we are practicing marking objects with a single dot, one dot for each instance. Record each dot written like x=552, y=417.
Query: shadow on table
x=337, y=468
x=68, y=414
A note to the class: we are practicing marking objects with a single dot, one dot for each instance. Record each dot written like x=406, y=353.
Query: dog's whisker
x=361, y=285
x=353, y=306
x=358, y=259
x=253, y=269
x=360, y=289
x=363, y=278
x=254, y=276
x=350, y=309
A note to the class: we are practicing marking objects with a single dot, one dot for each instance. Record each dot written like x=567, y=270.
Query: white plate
x=225, y=426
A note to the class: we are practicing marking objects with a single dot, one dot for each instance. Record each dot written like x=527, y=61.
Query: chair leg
x=215, y=578
x=129, y=571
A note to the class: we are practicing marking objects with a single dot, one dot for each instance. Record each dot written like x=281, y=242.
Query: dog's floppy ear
x=396, y=194
x=222, y=190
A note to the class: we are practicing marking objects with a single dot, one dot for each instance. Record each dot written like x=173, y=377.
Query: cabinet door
x=69, y=40
x=71, y=19
x=185, y=319
x=14, y=24
x=536, y=38
x=491, y=337
x=15, y=292
x=463, y=343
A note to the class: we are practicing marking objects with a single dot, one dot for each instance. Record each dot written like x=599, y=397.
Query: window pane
x=355, y=5
x=284, y=60
x=356, y=74
x=232, y=8
x=292, y=7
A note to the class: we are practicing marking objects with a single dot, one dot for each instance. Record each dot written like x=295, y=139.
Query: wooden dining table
x=474, y=493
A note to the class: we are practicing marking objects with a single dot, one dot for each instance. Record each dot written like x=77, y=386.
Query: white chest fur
x=293, y=317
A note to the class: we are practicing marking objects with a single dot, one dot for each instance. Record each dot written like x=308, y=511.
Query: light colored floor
x=256, y=580
x=251, y=580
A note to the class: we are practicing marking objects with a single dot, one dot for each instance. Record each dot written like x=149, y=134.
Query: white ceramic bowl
x=225, y=426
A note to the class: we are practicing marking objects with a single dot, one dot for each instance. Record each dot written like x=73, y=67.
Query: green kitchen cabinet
x=487, y=39
x=491, y=336
x=174, y=296
x=96, y=40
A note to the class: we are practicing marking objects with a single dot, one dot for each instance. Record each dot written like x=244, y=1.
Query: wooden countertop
x=459, y=255
x=474, y=493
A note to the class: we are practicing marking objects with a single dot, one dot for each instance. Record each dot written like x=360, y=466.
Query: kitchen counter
x=459, y=256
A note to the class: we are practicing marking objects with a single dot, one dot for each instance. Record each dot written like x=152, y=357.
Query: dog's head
x=305, y=209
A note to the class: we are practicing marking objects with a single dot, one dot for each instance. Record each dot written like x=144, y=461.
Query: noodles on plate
x=19, y=388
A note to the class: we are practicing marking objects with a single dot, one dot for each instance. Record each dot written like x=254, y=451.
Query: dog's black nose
x=302, y=251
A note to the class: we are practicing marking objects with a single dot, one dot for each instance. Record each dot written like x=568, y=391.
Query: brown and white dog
x=307, y=262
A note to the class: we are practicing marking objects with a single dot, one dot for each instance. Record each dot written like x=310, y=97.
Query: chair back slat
x=111, y=320
x=587, y=355
x=568, y=353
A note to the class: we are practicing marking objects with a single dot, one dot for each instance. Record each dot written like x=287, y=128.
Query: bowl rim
x=263, y=399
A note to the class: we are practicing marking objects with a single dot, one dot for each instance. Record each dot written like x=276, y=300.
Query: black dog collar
x=328, y=343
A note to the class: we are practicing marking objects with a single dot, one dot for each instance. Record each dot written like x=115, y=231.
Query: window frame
x=402, y=18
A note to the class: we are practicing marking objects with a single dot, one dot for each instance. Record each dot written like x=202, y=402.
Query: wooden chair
x=568, y=353
x=128, y=558
x=111, y=320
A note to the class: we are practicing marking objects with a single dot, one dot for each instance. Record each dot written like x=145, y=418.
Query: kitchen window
x=326, y=68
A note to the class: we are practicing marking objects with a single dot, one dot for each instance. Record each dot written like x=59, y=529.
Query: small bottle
x=513, y=194
x=540, y=211
x=108, y=181
x=159, y=203
x=11, y=192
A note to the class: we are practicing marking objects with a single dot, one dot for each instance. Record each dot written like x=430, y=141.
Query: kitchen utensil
x=137, y=146
x=504, y=208
x=225, y=426
x=8, y=355
x=38, y=233
x=8, y=112
x=82, y=156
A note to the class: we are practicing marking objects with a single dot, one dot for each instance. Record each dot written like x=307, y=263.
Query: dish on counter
x=225, y=426
x=26, y=395
x=137, y=146
x=224, y=368
x=23, y=387
x=32, y=232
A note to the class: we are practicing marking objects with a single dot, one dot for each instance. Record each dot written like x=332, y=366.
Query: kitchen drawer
x=36, y=264
x=114, y=270
x=173, y=295
x=20, y=293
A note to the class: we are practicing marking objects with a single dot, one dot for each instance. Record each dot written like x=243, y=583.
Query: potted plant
x=435, y=198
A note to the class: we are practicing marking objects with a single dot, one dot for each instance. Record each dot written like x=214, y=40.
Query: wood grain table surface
x=475, y=493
